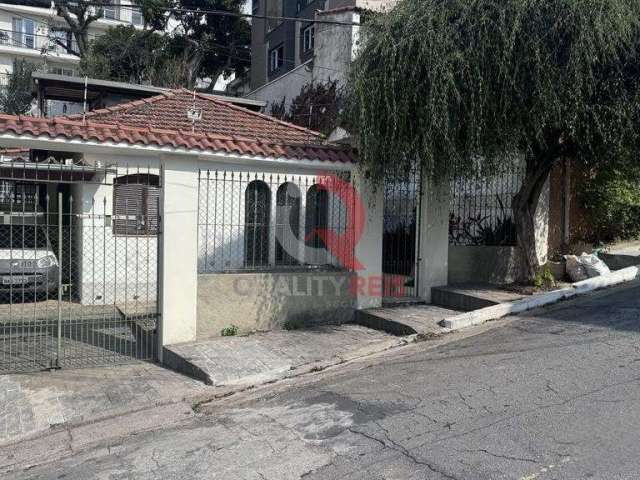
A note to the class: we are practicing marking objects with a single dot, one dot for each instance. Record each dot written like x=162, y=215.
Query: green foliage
x=316, y=107
x=15, y=99
x=463, y=79
x=214, y=45
x=229, y=331
x=612, y=197
x=544, y=279
x=200, y=47
x=126, y=54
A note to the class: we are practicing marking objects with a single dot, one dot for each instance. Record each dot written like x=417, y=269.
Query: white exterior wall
x=113, y=268
x=434, y=237
x=369, y=283
x=179, y=250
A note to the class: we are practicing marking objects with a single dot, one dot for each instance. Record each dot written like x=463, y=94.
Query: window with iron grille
x=16, y=196
x=287, y=217
x=256, y=217
x=316, y=217
x=136, y=200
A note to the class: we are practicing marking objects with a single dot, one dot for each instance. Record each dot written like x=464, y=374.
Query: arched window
x=136, y=202
x=257, y=208
x=316, y=218
x=287, y=224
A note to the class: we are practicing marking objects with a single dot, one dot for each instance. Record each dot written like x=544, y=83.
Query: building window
x=316, y=220
x=287, y=224
x=68, y=72
x=136, y=201
x=276, y=58
x=112, y=11
x=257, y=210
x=308, y=38
x=24, y=30
x=136, y=16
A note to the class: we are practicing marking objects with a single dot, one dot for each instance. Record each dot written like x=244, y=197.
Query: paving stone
x=232, y=359
x=32, y=403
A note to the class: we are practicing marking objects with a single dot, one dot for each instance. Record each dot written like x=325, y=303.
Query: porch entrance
x=78, y=265
x=401, y=237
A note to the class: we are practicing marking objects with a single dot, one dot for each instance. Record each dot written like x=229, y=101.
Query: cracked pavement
x=553, y=394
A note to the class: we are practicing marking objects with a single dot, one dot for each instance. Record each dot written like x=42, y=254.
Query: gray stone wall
x=266, y=301
x=479, y=264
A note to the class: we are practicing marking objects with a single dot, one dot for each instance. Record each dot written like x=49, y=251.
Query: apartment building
x=317, y=46
x=26, y=33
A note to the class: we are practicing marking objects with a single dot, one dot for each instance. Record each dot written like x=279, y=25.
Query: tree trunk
x=524, y=206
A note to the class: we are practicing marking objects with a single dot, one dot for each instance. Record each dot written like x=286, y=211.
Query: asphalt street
x=554, y=394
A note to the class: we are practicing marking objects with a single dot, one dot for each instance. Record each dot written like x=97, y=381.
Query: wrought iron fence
x=401, y=235
x=481, y=208
x=253, y=221
x=78, y=264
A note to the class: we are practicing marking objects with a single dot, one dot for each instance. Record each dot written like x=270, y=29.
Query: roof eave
x=44, y=142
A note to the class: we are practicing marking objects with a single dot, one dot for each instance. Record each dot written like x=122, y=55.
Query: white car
x=28, y=263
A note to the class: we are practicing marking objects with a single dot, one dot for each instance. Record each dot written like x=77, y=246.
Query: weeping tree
x=473, y=84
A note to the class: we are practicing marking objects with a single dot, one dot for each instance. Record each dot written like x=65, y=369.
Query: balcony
x=36, y=44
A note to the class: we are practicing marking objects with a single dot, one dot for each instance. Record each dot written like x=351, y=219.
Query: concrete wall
x=266, y=301
x=368, y=249
x=334, y=47
x=179, y=250
x=287, y=86
x=478, y=264
x=434, y=237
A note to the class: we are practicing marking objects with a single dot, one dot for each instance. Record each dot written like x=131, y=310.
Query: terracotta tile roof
x=162, y=121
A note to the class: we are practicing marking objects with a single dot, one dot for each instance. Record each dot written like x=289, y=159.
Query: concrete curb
x=495, y=312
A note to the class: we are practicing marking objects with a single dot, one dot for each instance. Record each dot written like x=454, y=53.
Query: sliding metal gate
x=402, y=198
x=78, y=265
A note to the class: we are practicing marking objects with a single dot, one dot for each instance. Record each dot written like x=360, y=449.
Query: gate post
x=368, y=284
x=434, y=236
x=178, y=253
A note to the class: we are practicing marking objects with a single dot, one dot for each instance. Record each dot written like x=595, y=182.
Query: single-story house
x=181, y=214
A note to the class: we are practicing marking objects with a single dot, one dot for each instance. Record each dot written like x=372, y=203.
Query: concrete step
x=467, y=297
x=405, y=319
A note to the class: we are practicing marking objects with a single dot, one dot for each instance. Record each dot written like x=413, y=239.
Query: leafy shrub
x=612, y=198
x=15, y=98
x=229, y=331
x=544, y=279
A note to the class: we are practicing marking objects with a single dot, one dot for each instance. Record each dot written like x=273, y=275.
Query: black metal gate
x=402, y=200
x=78, y=265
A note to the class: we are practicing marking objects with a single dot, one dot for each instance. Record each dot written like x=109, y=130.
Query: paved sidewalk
x=423, y=320
x=33, y=403
x=264, y=357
